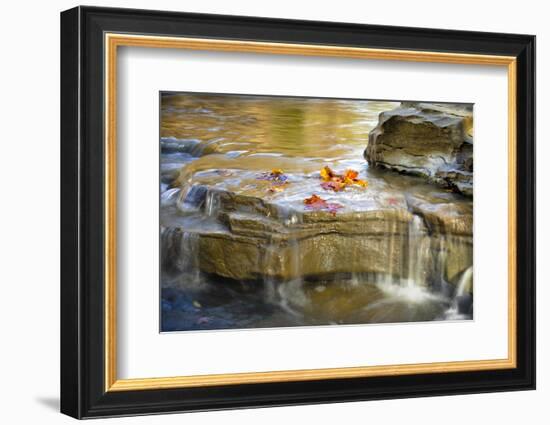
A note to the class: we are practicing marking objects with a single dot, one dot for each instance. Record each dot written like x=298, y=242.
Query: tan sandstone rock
x=429, y=140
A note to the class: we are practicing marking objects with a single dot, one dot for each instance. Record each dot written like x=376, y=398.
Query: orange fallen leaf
x=327, y=173
x=314, y=199
x=362, y=183
x=315, y=202
x=277, y=187
x=336, y=182
x=351, y=175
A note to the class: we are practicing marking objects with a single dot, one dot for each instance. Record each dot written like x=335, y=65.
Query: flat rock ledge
x=426, y=139
x=256, y=239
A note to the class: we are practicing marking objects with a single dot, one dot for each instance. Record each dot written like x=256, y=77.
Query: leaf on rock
x=314, y=199
x=333, y=207
x=351, y=175
x=350, y=178
x=276, y=187
x=275, y=175
x=337, y=182
x=327, y=173
x=362, y=183
x=316, y=203
x=334, y=185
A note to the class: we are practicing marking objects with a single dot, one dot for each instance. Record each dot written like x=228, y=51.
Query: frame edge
x=526, y=204
x=78, y=394
x=70, y=380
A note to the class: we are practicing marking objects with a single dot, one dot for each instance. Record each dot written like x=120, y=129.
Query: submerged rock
x=429, y=140
x=170, y=145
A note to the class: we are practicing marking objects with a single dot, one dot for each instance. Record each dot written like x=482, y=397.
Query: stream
x=400, y=270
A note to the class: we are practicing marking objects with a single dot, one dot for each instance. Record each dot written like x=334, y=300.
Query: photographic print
x=261, y=211
x=283, y=211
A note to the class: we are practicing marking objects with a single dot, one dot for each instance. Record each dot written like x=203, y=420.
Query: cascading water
x=411, y=290
x=169, y=197
x=288, y=294
x=464, y=282
x=461, y=306
x=419, y=253
x=180, y=250
x=212, y=204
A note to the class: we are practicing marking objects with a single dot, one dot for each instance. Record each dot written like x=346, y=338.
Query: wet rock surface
x=429, y=140
x=248, y=234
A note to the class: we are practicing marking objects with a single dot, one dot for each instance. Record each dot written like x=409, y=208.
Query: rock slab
x=254, y=239
x=429, y=140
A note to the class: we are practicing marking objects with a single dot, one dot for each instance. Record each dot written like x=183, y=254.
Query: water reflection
x=241, y=126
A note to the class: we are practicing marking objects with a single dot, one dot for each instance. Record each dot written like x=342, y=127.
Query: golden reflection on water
x=260, y=126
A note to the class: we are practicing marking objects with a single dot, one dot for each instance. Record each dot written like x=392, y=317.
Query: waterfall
x=288, y=294
x=418, y=252
x=464, y=281
x=269, y=282
x=388, y=280
x=291, y=293
x=169, y=197
x=415, y=262
x=191, y=198
x=461, y=305
x=180, y=254
x=212, y=204
x=409, y=254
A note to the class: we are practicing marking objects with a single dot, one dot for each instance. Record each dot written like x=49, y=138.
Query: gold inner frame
x=113, y=41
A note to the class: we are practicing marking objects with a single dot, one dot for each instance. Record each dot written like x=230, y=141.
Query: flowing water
x=225, y=143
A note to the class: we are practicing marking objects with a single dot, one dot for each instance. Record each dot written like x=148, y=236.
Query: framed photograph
x=261, y=212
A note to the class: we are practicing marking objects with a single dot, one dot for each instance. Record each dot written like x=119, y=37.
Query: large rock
x=254, y=238
x=429, y=140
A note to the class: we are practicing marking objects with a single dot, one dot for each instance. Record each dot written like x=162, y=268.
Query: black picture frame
x=83, y=392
